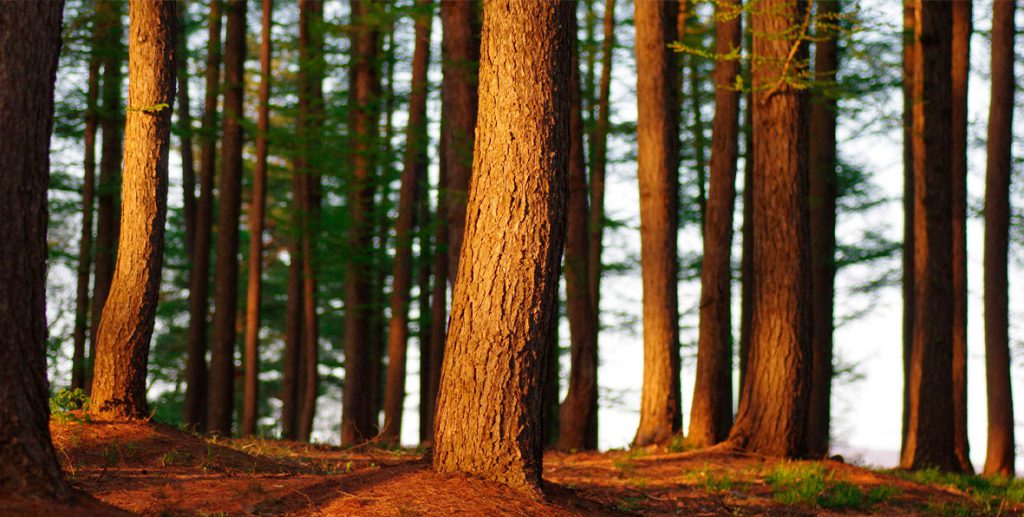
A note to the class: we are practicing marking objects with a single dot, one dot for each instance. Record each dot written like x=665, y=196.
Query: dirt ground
x=121, y=468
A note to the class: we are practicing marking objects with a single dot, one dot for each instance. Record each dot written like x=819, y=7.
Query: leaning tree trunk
x=122, y=351
x=488, y=424
x=257, y=205
x=822, y=206
x=961, y=69
x=29, y=46
x=772, y=416
x=999, y=459
x=907, y=253
x=658, y=142
x=711, y=412
x=221, y=400
x=930, y=438
x=196, y=376
x=412, y=173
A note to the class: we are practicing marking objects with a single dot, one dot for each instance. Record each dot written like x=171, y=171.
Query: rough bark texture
x=108, y=19
x=29, y=45
x=549, y=398
x=199, y=276
x=772, y=416
x=256, y=216
x=488, y=413
x=598, y=164
x=711, y=413
x=930, y=426
x=961, y=68
x=357, y=418
x=907, y=255
x=822, y=206
x=221, y=400
x=1000, y=455
x=122, y=351
x=658, y=142
x=460, y=54
x=412, y=173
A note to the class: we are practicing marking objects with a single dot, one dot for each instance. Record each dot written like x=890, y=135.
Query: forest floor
x=119, y=468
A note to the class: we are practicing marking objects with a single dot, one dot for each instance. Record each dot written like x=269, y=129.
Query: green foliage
x=991, y=493
x=814, y=485
x=70, y=405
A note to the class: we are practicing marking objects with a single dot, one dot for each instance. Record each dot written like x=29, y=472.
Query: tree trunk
x=598, y=164
x=357, y=422
x=256, y=210
x=85, y=251
x=549, y=398
x=577, y=419
x=930, y=437
x=658, y=142
x=999, y=459
x=122, y=351
x=222, y=350
x=188, y=173
x=108, y=20
x=908, y=208
x=460, y=55
x=291, y=378
x=199, y=275
x=711, y=413
x=488, y=424
x=772, y=416
x=822, y=206
x=29, y=46
x=961, y=69
x=439, y=290
x=747, y=258
x=425, y=259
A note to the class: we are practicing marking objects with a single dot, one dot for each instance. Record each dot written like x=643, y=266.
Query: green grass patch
x=813, y=485
x=990, y=493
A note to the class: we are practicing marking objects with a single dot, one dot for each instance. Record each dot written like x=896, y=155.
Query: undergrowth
x=814, y=485
x=991, y=493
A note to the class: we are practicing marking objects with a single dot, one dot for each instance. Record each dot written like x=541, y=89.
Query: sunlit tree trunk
x=119, y=383
x=29, y=46
x=907, y=256
x=488, y=424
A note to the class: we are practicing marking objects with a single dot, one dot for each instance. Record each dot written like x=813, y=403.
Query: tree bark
x=221, y=401
x=908, y=208
x=598, y=164
x=122, y=351
x=425, y=260
x=549, y=398
x=30, y=43
x=999, y=458
x=413, y=172
x=711, y=413
x=658, y=142
x=747, y=258
x=930, y=436
x=250, y=403
x=188, y=173
x=772, y=416
x=357, y=419
x=822, y=206
x=488, y=421
x=199, y=276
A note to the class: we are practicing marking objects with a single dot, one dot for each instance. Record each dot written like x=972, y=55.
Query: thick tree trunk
x=658, y=142
x=488, y=424
x=412, y=173
x=257, y=203
x=711, y=413
x=222, y=350
x=598, y=164
x=999, y=459
x=85, y=251
x=772, y=417
x=108, y=19
x=199, y=276
x=460, y=55
x=822, y=206
x=29, y=46
x=549, y=398
x=930, y=436
x=577, y=418
x=357, y=418
x=188, y=173
x=119, y=383
x=961, y=69
x=907, y=256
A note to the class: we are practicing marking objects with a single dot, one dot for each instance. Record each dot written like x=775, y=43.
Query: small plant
x=172, y=457
x=67, y=404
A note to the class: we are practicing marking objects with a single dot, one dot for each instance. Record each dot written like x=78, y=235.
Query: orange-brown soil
x=121, y=468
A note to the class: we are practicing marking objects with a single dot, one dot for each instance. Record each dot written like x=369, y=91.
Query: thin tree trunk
x=908, y=208
x=29, y=47
x=930, y=437
x=822, y=206
x=199, y=276
x=222, y=350
x=439, y=291
x=423, y=262
x=250, y=403
x=711, y=412
x=291, y=378
x=999, y=459
x=119, y=383
x=188, y=173
x=488, y=424
x=658, y=142
x=747, y=258
x=772, y=416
